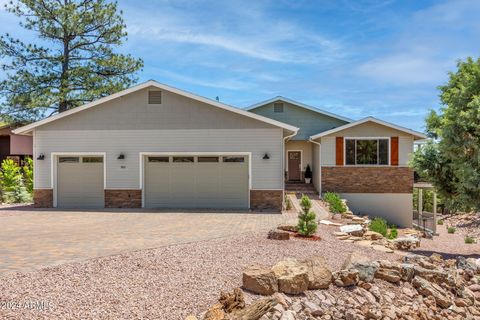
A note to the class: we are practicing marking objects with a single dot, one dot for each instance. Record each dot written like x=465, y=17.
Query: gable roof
x=152, y=83
x=298, y=104
x=416, y=134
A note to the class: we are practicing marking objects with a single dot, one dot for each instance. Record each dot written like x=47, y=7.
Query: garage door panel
x=211, y=184
x=80, y=185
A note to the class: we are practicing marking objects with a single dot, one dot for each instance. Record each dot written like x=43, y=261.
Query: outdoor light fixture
x=121, y=156
x=41, y=156
x=266, y=156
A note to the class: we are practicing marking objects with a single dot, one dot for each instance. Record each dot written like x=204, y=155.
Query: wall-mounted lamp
x=41, y=156
x=121, y=156
x=266, y=156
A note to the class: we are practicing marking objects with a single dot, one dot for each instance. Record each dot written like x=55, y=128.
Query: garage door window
x=207, y=159
x=158, y=159
x=92, y=159
x=69, y=159
x=183, y=159
x=233, y=159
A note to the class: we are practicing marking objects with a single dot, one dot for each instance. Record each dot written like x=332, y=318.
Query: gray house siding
x=309, y=122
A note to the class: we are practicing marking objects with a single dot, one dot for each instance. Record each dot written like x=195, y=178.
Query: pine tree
x=72, y=62
x=306, y=220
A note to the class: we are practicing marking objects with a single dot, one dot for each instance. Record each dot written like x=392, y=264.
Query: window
x=366, y=151
x=92, y=159
x=278, y=107
x=154, y=97
x=158, y=159
x=182, y=159
x=233, y=159
x=207, y=159
x=69, y=159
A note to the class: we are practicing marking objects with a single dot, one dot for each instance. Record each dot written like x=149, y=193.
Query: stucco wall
x=395, y=208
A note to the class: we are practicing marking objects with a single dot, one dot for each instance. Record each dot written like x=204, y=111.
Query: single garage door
x=196, y=182
x=80, y=182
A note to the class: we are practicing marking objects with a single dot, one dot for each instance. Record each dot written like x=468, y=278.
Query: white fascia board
x=414, y=133
x=151, y=83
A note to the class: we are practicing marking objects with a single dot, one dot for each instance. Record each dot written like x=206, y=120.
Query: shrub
x=469, y=240
x=12, y=184
x=379, y=225
x=335, y=203
x=306, y=220
x=28, y=174
x=393, y=234
x=440, y=222
x=451, y=230
x=288, y=203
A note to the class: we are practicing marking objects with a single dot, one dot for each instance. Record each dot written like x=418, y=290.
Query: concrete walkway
x=32, y=238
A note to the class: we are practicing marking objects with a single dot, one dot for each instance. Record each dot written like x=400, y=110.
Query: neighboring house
x=14, y=146
x=155, y=146
x=366, y=161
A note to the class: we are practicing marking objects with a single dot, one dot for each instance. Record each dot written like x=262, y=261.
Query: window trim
x=366, y=138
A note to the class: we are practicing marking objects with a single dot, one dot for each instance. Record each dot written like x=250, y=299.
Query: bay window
x=366, y=151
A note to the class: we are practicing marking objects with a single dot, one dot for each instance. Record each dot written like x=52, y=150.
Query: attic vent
x=278, y=107
x=154, y=97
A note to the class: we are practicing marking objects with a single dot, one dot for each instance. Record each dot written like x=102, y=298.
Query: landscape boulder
x=426, y=288
x=345, y=278
x=287, y=227
x=372, y=235
x=404, y=243
x=260, y=279
x=366, y=268
x=319, y=275
x=390, y=275
x=292, y=276
x=278, y=235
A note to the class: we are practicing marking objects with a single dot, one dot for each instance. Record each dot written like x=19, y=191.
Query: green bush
x=12, y=183
x=451, y=230
x=393, y=234
x=379, y=225
x=28, y=174
x=469, y=240
x=335, y=203
x=306, y=220
x=440, y=222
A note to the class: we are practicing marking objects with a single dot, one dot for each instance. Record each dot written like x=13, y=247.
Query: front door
x=294, y=164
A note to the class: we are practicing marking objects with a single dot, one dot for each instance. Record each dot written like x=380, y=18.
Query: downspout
x=319, y=165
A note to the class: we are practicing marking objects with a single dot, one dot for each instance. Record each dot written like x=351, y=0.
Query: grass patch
x=451, y=230
x=379, y=225
x=335, y=203
x=393, y=233
x=469, y=240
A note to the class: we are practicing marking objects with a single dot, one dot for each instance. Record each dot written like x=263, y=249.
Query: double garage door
x=220, y=181
x=196, y=182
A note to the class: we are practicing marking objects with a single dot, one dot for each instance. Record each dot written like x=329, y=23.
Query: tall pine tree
x=73, y=61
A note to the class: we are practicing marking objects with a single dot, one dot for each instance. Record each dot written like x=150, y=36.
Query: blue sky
x=352, y=57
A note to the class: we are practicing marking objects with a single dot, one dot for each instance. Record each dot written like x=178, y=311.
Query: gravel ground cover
x=165, y=283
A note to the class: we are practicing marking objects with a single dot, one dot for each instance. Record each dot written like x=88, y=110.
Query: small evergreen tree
x=11, y=181
x=28, y=174
x=306, y=220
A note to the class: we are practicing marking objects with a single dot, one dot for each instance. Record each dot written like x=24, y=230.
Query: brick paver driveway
x=32, y=238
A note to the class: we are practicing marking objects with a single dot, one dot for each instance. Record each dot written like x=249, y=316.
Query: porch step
x=301, y=188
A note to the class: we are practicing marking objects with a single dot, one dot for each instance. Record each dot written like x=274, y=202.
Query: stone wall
x=43, y=198
x=115, y=198
x=343, y=179
x=266, y=200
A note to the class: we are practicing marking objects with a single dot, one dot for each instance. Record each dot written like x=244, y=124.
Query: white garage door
x=80, y=182
x=196, y=182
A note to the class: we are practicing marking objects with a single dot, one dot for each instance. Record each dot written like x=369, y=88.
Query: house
x=365, y=161
x=155, y=146
x=14, y=146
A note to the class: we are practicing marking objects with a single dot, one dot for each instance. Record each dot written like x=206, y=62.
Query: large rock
x=427, y=288
x=372, y=235
x=366, y=268
x=389, y=275
x=353, y=229
x=292, y=276
x=345, y=278
x=278, y=235
x=404, y=243
x=319, y=275
x=260, y=279
x=438, y=276
x=215, y=313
